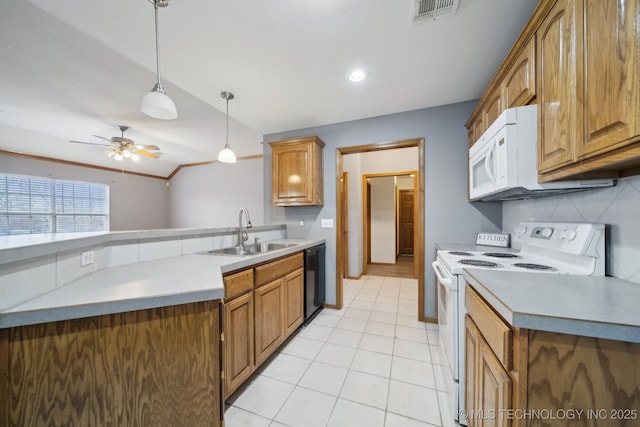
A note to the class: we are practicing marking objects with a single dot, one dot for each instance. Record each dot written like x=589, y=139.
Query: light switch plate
x=327, y=223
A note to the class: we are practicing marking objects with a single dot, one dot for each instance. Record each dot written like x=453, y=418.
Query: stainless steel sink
x=268, y=247
x=234, y=250
x=253, y=249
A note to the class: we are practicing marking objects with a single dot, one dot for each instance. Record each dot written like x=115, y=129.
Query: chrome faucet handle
x=245, y=236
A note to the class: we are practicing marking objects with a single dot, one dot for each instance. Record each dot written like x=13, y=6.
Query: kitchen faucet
x=242, y=234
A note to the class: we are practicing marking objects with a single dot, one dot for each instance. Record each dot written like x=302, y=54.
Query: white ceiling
x=70, y=69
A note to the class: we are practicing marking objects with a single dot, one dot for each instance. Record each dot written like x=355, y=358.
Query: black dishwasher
x=313, y=280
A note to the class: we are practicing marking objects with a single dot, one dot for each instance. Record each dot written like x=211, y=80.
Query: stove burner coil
x=532, y=266
x=460, y=253
x=501, y=255
x=479, y=263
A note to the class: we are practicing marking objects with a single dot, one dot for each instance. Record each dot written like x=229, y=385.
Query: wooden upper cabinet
x=492, y=108
x=475, y=129
x=297, y=178
x=589, y=125
x=519, y=87
x=557, y=96
x=609, y=74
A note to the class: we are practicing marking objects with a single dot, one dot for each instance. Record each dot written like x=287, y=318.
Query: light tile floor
x=369, y=364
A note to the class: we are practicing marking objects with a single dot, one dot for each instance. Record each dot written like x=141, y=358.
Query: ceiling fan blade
x=102, y=137
x=91, y=143
x=147, y=147
x=145, y=153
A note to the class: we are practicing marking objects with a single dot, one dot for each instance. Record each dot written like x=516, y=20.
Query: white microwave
x=503, y=163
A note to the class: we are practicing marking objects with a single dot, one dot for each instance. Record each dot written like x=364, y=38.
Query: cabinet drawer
x=496, y=332
x=238, y=284
x=276, y=269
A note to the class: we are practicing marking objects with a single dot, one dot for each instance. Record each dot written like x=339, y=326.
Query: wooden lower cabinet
x=488, y=383
x=269, y=323
x=293, y=287
x=239, y=359
x=155, y=367
x=555, y=379
x=258, y=322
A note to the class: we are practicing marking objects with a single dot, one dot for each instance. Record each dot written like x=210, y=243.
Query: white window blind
x=31, y=205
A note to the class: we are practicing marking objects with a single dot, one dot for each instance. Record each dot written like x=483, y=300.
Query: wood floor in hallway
x=402, y=268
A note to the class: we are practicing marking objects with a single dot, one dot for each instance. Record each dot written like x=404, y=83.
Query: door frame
x=419, y=202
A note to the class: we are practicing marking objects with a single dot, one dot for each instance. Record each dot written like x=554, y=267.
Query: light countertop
x=151, y=284
x=600, y=307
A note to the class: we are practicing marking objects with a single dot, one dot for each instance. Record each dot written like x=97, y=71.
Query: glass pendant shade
x=158, y=105
x=226, y=155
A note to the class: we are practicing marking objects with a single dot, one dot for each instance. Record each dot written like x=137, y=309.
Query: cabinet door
x=610, y=75
x=493, y=107
x=557, y=81
x=268, y=319
x=297, y=177
x=239, y=362
x=293, y=301
x=493, y=389
x=472, y=361
x=478, y=128
x=519, y=86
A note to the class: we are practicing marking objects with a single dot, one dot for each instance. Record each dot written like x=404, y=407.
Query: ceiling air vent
x=435, y=8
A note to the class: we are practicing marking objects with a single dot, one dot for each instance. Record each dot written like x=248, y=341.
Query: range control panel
x=568, y=237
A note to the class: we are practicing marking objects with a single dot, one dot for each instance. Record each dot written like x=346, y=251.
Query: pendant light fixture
x=157, y=103
x=226, y=155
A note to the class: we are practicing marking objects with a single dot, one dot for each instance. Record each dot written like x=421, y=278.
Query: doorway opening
x=342, y=231
x=389, y=216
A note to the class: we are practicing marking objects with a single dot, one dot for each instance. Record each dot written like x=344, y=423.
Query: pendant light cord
x=227, y=140
x=155, y=6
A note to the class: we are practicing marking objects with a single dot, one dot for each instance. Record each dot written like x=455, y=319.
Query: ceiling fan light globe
x=109, y=153
x=159, y=106
x=226, y=155
x=118, y=157
x=135, y=157
x=126, y=154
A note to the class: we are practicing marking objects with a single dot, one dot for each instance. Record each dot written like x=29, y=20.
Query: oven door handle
x=440, y=275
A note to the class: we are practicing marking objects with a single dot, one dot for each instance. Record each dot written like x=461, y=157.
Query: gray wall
x=448, y=215
x=212, y=195
x=136, y=202
x=617, y=207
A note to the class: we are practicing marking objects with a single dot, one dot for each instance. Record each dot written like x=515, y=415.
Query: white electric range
x=544, y=247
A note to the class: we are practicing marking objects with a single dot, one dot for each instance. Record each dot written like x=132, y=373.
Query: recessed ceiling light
x=357, y=75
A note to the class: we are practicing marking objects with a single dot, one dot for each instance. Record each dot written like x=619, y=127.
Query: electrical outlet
x=86, y=258
x=326, y=223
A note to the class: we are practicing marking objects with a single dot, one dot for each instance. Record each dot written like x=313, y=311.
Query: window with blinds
x=30, y=205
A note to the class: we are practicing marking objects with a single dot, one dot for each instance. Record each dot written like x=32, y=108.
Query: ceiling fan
x=121, y=148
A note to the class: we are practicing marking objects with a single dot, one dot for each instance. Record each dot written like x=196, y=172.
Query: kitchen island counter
x=151, y=284
x=598, y=307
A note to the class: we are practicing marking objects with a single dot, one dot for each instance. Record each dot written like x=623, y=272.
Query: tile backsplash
x=618, y=207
